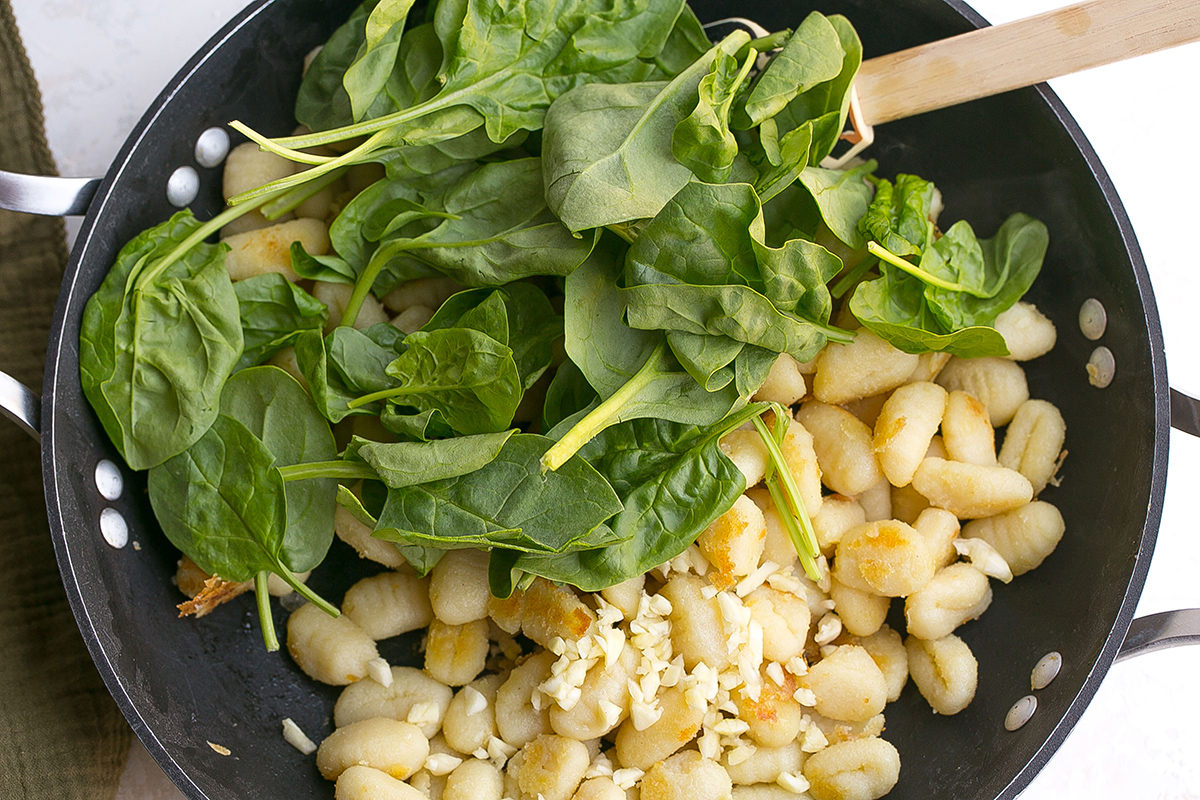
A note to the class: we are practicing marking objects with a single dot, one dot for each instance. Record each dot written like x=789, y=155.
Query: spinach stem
x=273, y=147
x=342, y=470
x=307, y=593
x=277, y=208
x=885, y=255
x=382, y=124
x=794, y=531
x=265, y=619
x=362, y=287
x=350, y=158
x=792, y=506
x=373, y=397
x=751, y=55
x=603, y=415
x=200, y=234
x=766, y=44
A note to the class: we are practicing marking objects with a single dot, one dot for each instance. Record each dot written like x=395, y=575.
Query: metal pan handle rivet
x=109, y=481
x=1101, y=368
x=1045, y=671
x=211, y=147
x=1020, y=713
x=113, y=528
x=1093, y=319
x=183, y=186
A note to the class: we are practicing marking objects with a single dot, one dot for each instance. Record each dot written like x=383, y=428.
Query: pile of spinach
x=664, y=189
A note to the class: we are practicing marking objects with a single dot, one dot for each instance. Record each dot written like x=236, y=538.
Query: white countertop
x=101, y=62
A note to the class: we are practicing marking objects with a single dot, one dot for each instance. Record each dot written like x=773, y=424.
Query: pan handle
x=1185, y=413
x=1160, y=631
x=46, y=195
x=21, y=404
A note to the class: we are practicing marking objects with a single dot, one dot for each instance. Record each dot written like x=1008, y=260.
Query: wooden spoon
x=997, y=59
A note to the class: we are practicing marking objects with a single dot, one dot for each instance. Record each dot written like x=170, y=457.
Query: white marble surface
x=101, y=62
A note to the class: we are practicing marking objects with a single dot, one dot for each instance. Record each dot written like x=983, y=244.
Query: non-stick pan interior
x=188, y=684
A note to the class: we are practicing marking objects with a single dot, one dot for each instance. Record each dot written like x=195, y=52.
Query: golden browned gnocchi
x=686, y=776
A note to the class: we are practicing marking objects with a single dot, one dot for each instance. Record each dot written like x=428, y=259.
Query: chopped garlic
x=814, y=738
x=627, y=777
x=298, y=738
x=828, y=629
x=475, y=701
x=740, y=753
x=380, y=672
x=731, y=727
x=756, y=578
x=794, y=783
x=775, y=673
x=797, y=666
x=499, y=751
x=611, y=712
x=425, y=713
x=601, y=767
x=441, y=763
x=984, y=558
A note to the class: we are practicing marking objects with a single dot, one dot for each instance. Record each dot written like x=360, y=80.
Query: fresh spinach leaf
x=279, y=412
x=633, y=371
x=607, y=148
x=785, y=158
x=507, y=502
x=812, y=56
x=465, y=375
x=533, y=325
x=322, y=102
x=366, y=78
x=901, y=216
x=915, y=308
x=702, y=141
x=403, y=464
x=701, y=267
x=842, y=198
x=673, y=481
x=686, y=42
x=498, y=229
x=329, y=268
x=415, y=426
x=327, y=386
x=568, y=393
x=273, y=311
x=1008, y=264
x=359, y=360
x=159, y=339
x=826, y=105
x=222, y=503
x=893, y=307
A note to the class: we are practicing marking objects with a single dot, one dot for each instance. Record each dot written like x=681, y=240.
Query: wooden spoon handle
x=994, y=60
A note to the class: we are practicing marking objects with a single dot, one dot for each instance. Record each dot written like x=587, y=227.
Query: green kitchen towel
x=61, y=735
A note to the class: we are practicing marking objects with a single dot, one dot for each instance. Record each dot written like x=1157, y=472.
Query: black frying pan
x=185, y=683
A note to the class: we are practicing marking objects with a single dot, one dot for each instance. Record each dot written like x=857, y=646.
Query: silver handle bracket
x=1160, y=631
x=21, y=404
x=46, y=195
